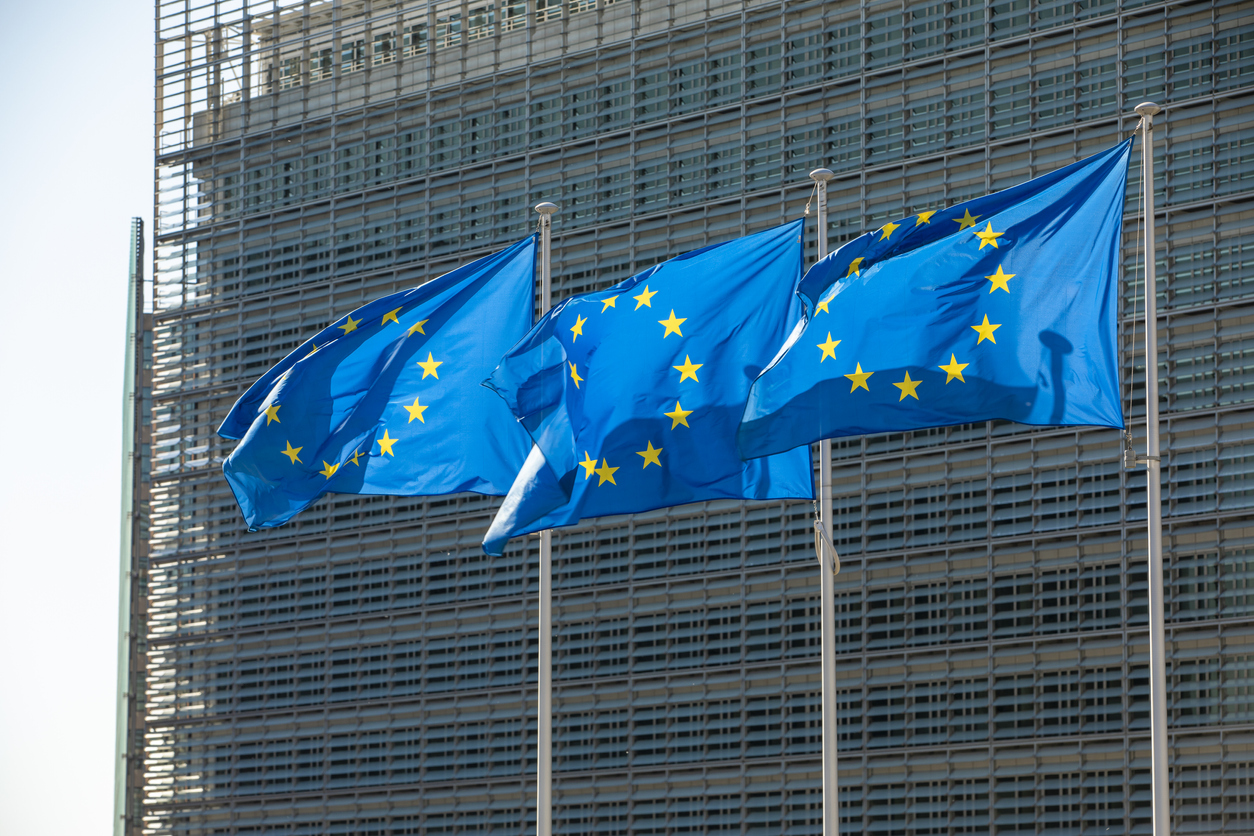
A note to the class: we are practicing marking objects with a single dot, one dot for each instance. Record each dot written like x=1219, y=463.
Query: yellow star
x=887, y=230
x=988, y=236
x=611, y=302
x=999, y=279
x=644, y=297
x=606, y=473
x=311, y=351
x=925, y=218
x=672, y=324
x=679, y=416
x=650, y=455
x=822, y=306
x=574, y=375
x=429, y=366
x=859, y=379
x=415, y=411
x=391, y=315
x=907, y=387
x=357, y=453
x=688, y=369
x=350, y=324
x=328, y=470
x=417, y=326
x=386, y=443
x=954, y=369
x=829, y=347
x=272, y=414
x=589, y=465
x=855, y=267
x=967, y=220
x=291, y=452
x=577, y=329
x=986, y=332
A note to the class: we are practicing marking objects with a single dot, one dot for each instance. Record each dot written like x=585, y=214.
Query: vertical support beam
x=544, y=689
x=246, y=84
x=128, y=714
x=827, y=596
x=1153, y=497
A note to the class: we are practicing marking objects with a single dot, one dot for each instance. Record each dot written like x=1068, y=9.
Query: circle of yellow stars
x=430, y=368
x=688, y=370
x=986, y=330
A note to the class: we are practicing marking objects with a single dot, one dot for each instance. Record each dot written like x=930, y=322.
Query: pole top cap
x=821, y=175
x=546, y=208
x=1148, y=109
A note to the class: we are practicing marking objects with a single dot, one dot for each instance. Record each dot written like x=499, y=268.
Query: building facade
x=367, y=670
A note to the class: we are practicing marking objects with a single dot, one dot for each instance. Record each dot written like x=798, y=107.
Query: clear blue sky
x=76, y=145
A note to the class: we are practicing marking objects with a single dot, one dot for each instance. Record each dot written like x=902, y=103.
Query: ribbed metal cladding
x=366, y=670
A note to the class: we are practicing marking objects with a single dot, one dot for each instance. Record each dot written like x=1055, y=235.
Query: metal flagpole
x=544, y=686
x=827, y=568
x=1153, y=496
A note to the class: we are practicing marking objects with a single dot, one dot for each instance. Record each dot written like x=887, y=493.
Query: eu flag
x=1002, y=307
x=387, y=400
x=633, y=394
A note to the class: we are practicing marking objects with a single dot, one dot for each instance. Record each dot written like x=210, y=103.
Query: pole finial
x=546, y=208
x=821, y=175
x=1145, y=109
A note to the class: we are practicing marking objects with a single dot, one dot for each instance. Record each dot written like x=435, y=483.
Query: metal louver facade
x=367, y=670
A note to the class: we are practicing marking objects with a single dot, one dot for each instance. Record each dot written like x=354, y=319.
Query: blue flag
x=633, y=394
x=1001, y=307
x=388, y=399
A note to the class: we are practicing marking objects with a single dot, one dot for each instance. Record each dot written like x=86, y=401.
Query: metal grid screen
x=366, y=670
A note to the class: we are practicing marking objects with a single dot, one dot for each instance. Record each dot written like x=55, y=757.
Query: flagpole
x=827, y=595
x=1153, y=496
x=544, y=685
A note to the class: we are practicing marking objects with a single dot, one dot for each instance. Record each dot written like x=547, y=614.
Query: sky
x=76, y=149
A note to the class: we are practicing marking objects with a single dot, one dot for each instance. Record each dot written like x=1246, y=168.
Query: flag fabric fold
x=1001, y=307
x=632, y=395
x=387, y=399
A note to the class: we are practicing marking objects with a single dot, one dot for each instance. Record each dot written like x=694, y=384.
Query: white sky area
x=76, y=154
